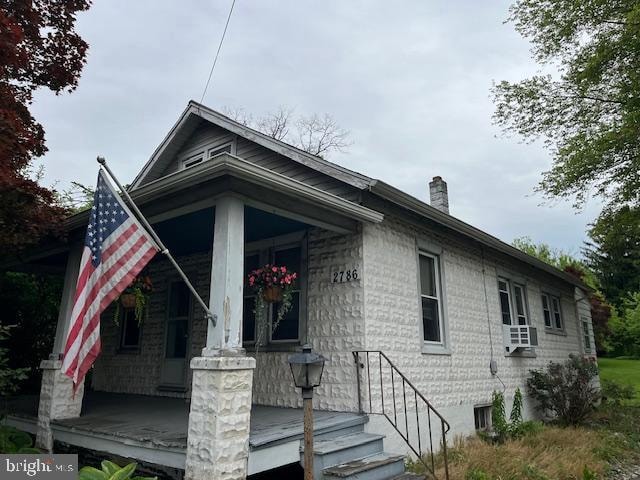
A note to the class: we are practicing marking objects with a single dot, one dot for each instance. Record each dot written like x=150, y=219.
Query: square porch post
x=218, y=435
x=57, y=400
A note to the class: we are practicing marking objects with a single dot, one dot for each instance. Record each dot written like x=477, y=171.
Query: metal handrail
x=427, y=458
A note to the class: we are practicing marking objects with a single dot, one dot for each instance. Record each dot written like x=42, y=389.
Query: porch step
x=382, y=466
x=335, y=451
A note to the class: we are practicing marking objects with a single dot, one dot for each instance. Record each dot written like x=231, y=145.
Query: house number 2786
x=345, y=276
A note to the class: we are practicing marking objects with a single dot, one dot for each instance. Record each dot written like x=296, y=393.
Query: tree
x=588, y=113
x=547, y=254
x=614, y=252
x=316, y=134
x=625, y=328
x=30, y=305
x=38, y=48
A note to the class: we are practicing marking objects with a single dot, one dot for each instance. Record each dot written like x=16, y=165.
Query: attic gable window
x=226, y=148
x=190, y=162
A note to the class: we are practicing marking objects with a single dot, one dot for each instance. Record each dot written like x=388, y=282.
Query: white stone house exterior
x=379, y=271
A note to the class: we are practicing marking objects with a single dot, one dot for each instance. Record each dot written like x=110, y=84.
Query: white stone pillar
x=220, y=413
x=219, y=419
x=57, y=399
x=227, y=277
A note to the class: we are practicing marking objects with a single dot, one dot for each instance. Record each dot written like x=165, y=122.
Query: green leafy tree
x=614, y=252
x=30, y=303
x=10, y=378
x=588, y=111
x=624, y=326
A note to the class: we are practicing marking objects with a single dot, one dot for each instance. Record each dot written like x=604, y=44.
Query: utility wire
x=215, y=60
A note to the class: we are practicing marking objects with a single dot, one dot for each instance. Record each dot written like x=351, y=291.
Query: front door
x=174, y=366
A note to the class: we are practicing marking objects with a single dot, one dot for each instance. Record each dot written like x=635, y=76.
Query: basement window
x=482, y=416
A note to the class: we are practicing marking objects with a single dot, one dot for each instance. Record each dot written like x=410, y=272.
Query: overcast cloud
x=410, y=80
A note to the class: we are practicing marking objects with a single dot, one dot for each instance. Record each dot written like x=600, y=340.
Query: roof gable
x=192, y=120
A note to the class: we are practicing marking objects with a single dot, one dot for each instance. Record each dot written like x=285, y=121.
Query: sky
x=410, y=80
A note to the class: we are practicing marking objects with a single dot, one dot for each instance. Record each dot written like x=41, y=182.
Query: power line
x=215, y=60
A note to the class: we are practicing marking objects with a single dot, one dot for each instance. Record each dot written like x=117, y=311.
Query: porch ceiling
x=193, y=232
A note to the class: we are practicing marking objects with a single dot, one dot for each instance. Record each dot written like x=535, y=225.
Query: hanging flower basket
x=273, y=284
x=136, y=297
x=272, y=294
x=128, y=300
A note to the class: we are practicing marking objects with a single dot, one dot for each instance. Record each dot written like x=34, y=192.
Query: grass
x=625, y=371
x=553, y=453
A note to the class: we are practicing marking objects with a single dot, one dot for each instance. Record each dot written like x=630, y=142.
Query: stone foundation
x=57, y=401
x=219, y=419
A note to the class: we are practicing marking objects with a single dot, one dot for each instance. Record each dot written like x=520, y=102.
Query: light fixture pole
x=307, y=368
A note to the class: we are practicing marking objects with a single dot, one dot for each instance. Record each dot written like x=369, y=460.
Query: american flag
x=116, y=248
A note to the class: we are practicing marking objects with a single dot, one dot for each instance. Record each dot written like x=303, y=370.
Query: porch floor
x=160, y=423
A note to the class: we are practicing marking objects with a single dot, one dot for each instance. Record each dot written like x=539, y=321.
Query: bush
x=13, y=440
x=624, y=326
x=614, y=392
x=566, y=391
x=476, y=474
x=499, y=418
x=111, y=471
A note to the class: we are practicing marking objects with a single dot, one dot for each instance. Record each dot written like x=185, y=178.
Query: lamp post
x=306, y=368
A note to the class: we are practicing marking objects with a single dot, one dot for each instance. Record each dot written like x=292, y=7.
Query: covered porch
x=181, y=391
x=154, y=429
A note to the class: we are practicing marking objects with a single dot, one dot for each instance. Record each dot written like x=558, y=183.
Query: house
x=421, y=316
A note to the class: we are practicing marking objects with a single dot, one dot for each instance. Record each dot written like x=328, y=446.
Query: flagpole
x=163, y=249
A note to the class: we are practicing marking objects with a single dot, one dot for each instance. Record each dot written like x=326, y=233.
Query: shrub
x=614, y=392
x=565, y=391
x=111, y=471
x=498, y=417
x=13, y=440
x=476, y=474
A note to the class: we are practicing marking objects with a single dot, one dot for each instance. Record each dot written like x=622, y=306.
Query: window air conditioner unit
x=519, y=336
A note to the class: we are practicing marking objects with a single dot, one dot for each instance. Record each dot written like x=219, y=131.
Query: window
x=430, y=298
x=552, y=311
x=289, y=250
x=586, y=335
x=546, y=310
x=190, y=162
x=557, y=313
x=251, y=262
x=513, y=302
x=129, y=331
x=520, y=304
x=226, y=148
x=505, y=300
x=178, y=320
x=482, y=415
x=289, y=327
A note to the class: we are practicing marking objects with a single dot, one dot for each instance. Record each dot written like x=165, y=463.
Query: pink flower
x=283, y=269
x=274, y=269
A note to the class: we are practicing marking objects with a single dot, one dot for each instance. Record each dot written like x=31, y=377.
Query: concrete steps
x=356, y=456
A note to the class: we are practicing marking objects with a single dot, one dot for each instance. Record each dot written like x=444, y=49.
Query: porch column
x=56, y=392
x=218, y=435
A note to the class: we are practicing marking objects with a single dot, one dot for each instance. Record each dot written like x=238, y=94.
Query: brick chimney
x=439, y=195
